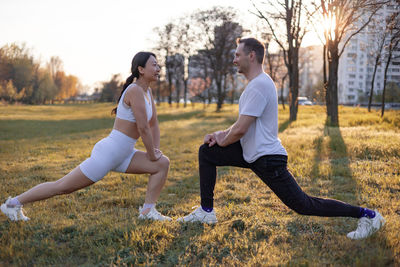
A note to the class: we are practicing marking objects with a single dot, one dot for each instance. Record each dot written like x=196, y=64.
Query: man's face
x=241, y=60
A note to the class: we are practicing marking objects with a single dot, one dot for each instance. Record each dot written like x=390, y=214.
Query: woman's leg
x=158, y=171
x=71, y=182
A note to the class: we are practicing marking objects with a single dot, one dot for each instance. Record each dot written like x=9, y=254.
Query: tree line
x=197, y=49
x=23, y=79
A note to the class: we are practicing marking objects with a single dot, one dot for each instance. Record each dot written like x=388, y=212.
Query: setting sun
x=329, y=25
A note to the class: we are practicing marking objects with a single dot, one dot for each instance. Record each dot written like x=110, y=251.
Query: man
x=252, y=142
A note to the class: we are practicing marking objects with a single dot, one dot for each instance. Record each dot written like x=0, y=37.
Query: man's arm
x=234, y=133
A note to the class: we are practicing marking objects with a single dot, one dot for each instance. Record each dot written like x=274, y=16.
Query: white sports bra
x=125, y=112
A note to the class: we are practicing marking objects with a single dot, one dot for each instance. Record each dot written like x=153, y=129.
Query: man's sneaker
x=14, y=213
x=153, y=214
x=200, y=215
x=367, y=226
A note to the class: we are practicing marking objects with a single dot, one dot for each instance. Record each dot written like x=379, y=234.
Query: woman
x=135, y=117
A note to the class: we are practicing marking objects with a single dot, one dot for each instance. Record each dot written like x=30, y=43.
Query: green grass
x=357, y=163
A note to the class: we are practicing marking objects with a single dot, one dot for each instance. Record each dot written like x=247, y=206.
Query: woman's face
x=151, y=70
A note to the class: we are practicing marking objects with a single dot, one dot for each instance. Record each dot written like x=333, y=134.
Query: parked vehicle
x=303, y=101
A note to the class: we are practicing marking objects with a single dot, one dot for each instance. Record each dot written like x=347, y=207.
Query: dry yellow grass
x=357, y=163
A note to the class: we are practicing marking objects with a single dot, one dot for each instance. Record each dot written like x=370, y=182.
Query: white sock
x=14, y=202
x=148, y=206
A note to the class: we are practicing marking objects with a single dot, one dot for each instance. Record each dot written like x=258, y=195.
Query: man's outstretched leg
x=273, y=172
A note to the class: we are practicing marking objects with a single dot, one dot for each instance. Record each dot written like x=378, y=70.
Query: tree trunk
x=170, y=93
x=169, y=74
x=294, y=87
x=220, y=99
x=384, y=81
x=332, y=90
x=371, y=93
x=185, y=92
x=325, y=84
x=209, y=96
x=282, y=87
x=159, y=92
x=324, y=66
x=233, y=89
x=178, y=91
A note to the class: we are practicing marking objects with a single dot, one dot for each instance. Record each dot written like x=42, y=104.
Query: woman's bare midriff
x=127, y=127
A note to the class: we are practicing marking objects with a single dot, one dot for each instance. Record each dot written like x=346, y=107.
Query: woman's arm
x=138, y=106
x=155, y=130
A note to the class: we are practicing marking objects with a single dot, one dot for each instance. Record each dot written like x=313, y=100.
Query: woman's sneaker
x=153, y=214
x=14, y=213
x=367, y=226
x=200, y=215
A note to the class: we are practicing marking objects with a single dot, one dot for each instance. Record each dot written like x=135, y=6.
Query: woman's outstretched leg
x=71, y=182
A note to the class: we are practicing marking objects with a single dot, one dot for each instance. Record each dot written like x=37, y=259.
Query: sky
x=95, y=38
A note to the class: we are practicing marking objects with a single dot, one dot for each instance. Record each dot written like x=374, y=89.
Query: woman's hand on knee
x=157, y=155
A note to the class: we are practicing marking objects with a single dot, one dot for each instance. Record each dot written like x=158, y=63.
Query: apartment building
x=356, y=64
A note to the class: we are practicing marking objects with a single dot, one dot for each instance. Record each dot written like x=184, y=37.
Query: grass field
x=357, y=163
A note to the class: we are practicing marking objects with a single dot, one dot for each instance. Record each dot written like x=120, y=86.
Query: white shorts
x=113, y=153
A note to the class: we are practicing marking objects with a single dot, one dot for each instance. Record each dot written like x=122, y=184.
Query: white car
x=303, y=101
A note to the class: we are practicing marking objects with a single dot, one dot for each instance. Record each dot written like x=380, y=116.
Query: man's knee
x=204, y=149
x=300, y=207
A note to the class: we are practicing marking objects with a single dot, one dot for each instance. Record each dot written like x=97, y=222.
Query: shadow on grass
x=342, y=177
x=29, y=129
x=284, y=125
x=340, y=172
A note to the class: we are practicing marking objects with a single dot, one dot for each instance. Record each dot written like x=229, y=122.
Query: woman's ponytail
x=128, y=81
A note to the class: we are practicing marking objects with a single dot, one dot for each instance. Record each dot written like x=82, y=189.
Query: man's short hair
x=252, y=44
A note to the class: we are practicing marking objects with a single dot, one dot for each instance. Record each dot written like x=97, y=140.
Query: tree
x=291, y=14
x=200, y=76
x=198, y=88
x=55, y=65
x=44, y=88
x=344, y=20
x=393, y=92
x=317, y=92
x=393, y=43
x=17, y=65
x=165, y=49
x=218, y=33
x=110, y=90
x=176, y=72
x=275, y=67
x=67, y=85
x=22, y=78
x=9, y=93
x=185, y=39
x=376, y=49
x=161, y=89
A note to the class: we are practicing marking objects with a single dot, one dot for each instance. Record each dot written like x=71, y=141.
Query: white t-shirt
x=260, y=100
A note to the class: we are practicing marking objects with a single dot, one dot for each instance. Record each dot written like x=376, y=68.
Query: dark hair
x=140, y=59
x=252, y=44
